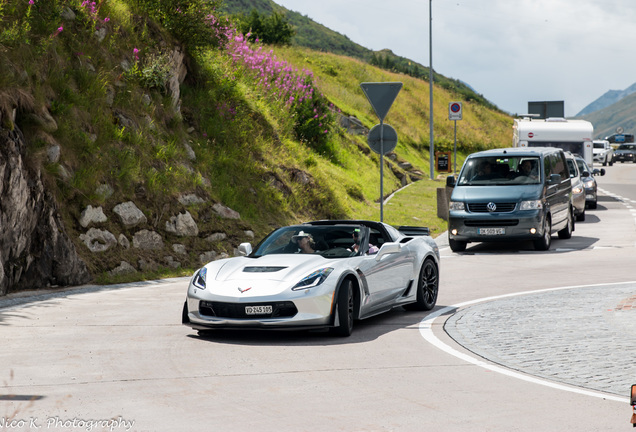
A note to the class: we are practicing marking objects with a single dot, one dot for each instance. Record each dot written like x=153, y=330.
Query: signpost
x=455, y=113
x=381, y=96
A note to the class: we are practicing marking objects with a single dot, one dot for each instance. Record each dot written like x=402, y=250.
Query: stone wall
x=35, y=251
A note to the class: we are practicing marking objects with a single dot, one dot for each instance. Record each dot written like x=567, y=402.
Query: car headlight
x=456, y=205
x=589, y=184
x=314, y=279
x=577, y=190
x=531, y=205
x=199, y=278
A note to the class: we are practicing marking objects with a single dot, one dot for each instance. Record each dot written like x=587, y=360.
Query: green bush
x=273, y=29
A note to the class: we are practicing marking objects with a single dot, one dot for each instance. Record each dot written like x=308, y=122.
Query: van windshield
x=491, y=171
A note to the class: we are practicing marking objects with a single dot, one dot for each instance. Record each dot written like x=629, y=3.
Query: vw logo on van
x=491, y=206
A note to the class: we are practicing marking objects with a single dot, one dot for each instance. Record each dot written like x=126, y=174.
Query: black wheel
x=566, y=232
x=592, y=205
x=344, y=310
x=581, y=217
x=184, y=313
x=427, y=287
x=544, y=242
x=456, y=245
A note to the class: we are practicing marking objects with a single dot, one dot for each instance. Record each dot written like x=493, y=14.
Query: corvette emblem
x=243, y=290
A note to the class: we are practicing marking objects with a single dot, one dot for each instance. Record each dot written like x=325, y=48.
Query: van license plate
x=258, y=310
x=492, y=231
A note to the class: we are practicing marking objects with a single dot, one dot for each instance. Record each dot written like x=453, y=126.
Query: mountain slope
x=158, y=156
x=621, y=113
x=609, y=98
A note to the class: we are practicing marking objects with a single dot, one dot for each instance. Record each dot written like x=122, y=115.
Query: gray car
x=578, y=189
x=589, y=182
x=495, y=198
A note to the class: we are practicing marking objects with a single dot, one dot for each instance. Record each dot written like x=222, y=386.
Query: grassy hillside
x=103, y=73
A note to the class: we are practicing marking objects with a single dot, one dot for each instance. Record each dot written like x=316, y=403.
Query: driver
x=305, y=242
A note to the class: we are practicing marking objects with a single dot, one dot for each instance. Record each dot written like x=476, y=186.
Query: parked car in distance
x=511, y=194
x=589, y=182
x=603, y=152
x=625, y=153
x=578, y=189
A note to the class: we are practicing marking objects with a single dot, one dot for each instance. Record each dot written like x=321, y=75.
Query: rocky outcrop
x=35, y=251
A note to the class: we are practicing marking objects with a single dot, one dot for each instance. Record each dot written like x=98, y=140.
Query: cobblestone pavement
x=585, y=336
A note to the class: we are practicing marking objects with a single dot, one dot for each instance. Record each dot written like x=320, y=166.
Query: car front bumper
x=309, y=308
x=519, y=225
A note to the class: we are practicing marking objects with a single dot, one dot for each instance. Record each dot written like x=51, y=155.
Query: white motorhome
x=574, y=136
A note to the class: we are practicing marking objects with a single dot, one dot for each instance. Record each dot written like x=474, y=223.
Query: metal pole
x=455, y=151
x=430, y=81
x=381, y=170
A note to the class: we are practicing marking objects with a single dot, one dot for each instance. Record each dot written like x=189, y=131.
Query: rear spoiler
x=414, y=231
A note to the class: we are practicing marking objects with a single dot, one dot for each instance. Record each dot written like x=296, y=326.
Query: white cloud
x=511, y=51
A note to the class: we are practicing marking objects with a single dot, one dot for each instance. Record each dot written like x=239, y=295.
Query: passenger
x=525, y=169
x=356, y=244
x=305, y=242
x=484, y=171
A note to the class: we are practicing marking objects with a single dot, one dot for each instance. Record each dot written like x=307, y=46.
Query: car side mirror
x=387, y=249
x=245, y=249
x=585, y=174
x=600, y=172
x=555, y=179
x=450, y=181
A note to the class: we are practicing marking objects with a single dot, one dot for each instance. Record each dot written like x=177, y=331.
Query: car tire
x=184, y=313
x=593, y=205
x=427, y=287
x=457, y=245
x=566, y=232
x=343, y=321
x=543, y=243
x=581, y=217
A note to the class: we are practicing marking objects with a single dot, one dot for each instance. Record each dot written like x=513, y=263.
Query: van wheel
x=456, y=245
x=543, y=244
x=566, y=232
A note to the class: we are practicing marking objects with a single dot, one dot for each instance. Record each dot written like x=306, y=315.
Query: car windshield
x=329, y=241
x=491, y=171
x=627, y=147
x=572, y=167
x=599, y=145
x=582, y=166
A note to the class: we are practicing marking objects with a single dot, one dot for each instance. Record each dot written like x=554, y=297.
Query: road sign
x=389, y=138
x=455, y=111
x=381, y=95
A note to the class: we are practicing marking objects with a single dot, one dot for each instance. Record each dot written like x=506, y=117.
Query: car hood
x=249, y=278
x=277, y=267
x=514, y=193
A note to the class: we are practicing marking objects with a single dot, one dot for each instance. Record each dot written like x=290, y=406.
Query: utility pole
x=430, y=82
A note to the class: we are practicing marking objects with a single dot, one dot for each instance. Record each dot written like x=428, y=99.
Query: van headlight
x=531, y=205
x=456, y=205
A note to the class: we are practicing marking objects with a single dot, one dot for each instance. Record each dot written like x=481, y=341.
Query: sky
x=510, y=51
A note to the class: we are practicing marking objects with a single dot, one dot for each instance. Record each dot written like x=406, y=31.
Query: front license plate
x=492, y=231
x=258, y=310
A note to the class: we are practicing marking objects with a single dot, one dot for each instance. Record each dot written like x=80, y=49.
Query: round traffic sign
x=455, y=107
x=389, y=138
x=619, y=130
x=530, y=134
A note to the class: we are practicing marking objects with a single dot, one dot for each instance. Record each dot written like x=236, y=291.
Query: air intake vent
x=262, y=269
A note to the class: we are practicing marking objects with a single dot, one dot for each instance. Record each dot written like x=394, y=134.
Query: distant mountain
x=609, y=98
x=621, y=113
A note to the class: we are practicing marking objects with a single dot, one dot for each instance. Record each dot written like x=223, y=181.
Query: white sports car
x=322, y=274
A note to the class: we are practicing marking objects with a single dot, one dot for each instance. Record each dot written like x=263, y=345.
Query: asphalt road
x=117, y=358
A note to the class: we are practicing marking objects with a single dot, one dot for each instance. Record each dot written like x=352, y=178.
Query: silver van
x=511, y=194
